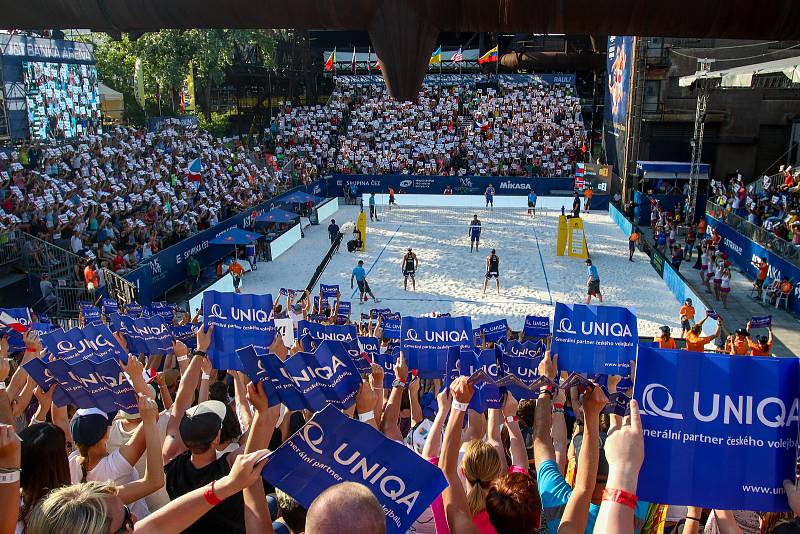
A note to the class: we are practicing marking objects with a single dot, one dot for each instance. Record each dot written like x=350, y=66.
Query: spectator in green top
x=192, y=274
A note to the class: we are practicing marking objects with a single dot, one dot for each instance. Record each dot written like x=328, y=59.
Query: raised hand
x=204, y=337
x=462, y=390
x=594, y=402
x=148, y=409
x=624, y=450
x=549, y=365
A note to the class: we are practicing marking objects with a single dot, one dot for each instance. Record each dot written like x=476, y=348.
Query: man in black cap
x=190, y=448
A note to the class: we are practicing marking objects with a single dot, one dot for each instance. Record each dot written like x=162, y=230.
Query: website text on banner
x=727, y=424
x=742, y=252
x=167, y=269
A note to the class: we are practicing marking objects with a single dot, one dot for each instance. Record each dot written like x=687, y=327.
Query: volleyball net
x=459, y=210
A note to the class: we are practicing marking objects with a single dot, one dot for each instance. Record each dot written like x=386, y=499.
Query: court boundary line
x=374, y=263
x=463, y=301
x=541, y=260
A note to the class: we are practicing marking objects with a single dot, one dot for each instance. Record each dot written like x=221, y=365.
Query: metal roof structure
x=742, y=77
x=404, y=32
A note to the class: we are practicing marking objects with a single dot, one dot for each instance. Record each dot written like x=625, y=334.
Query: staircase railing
x=123, y=291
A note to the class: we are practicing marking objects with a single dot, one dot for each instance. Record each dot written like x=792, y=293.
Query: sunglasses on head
x=127, y=521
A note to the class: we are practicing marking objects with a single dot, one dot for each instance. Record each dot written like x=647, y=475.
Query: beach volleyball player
x=492, y=270
x=410, y=264
x=474, y=233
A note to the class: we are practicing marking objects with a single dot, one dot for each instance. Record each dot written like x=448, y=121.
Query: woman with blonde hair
x=481, y=466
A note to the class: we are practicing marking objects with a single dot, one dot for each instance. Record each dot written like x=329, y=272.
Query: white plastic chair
x=784, y=298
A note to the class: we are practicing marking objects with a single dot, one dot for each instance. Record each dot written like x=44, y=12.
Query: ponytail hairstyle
x=481, y=466
x=83, y=459
x=79, y=508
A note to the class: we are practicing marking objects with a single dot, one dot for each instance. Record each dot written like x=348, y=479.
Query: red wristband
x=558, y=406
x=31, y=349
x=210, y=496
x=620, y=496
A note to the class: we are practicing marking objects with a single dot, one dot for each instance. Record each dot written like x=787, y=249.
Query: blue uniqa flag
x=329, y=291
x=719, y=431
x=594, y=339
x=333, y=448
x=305, y=381
x=147, y=335
x=536, y=326
x=425, y=340
x=239, y=320
x=390, y=324
x=494, y=331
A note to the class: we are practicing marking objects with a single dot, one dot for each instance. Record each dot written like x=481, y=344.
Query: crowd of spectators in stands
x=771, y=205
x=513, y=130
x=122, y=196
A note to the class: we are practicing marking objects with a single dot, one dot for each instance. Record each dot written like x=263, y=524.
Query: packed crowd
x=190, y=459
x=773, y=206
x=516, y=130
x=122, y=196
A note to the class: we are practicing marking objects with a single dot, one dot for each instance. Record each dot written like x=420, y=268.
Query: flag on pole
x=369, y=59
x=138, y=82
x=353, y=62
x=330, y=62
x=458, y=57
x=12, y=323
x=489, y=57
x=195, y=169
x=187, y=92
x=436, y=57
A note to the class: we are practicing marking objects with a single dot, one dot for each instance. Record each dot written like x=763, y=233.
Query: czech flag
x=488, y=57
x=194, y=169
x=12, y=323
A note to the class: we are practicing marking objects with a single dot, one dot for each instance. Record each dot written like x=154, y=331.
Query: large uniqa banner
x=619, y=70
x=167, y=269
x=719, y=431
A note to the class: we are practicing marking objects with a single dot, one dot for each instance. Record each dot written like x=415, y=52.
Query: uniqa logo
x=411, y=335
x=565, y=326
x=405, y=183
x=740, y=409
x=595, y=328
x=309, y=373
x=372, y=473
x=453, y=336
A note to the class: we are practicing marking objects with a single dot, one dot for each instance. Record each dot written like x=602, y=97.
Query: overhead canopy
x=669, y=170
x=743, y=76
x=300, y=197
x=277, y=215
x=405, y=32
x=234, y=236
x=111, y=102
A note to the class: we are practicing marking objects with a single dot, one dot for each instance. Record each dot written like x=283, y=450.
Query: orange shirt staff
x=695, y=342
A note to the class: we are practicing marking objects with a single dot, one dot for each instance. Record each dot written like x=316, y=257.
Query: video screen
x=62, y=99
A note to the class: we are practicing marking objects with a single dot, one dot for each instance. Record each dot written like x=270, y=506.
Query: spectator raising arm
x=624, y=450
x=456, y=507
x=576, y=513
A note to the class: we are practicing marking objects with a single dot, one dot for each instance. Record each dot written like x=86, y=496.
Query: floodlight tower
x=703, y=88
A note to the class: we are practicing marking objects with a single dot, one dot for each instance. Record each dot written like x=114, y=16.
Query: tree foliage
x=165, y=59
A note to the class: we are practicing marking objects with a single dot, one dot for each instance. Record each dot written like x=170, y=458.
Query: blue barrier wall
x=742, y=251
x=167, y=269
x=435, y=185
x=469, y=185
x=680, y=289
x=642, y=211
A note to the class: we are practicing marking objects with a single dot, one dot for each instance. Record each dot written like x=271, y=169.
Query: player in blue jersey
x=474, y=233
x=532, y=203
x=489, y=194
